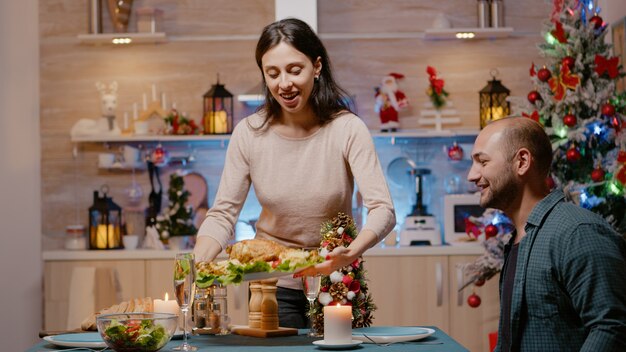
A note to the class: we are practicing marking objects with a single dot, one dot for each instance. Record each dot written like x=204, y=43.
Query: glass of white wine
x=184, y=285
x=311, y=287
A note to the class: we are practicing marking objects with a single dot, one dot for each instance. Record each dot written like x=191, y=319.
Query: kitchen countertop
x=143, y=254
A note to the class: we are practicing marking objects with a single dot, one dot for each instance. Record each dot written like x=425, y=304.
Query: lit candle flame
x=166, y=296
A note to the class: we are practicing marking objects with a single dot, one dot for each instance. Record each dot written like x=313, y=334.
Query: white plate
x=265, y=275
x=323, y=345
x=89, y=339
x=386, y=334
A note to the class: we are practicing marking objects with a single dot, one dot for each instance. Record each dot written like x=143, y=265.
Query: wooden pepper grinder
x=256, y=298
x=269, y=305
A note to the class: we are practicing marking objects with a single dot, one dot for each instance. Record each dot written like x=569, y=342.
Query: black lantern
x=493, y=103
x=105, y=222
x=218, y=110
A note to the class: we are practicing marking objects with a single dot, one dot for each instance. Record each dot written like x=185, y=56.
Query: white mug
x=106, y=159
x=131, y=155
x=130, y=241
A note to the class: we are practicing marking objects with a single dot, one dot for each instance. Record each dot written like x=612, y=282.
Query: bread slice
x=134, y=305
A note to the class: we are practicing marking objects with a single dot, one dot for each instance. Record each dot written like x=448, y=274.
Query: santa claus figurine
x=390, y=100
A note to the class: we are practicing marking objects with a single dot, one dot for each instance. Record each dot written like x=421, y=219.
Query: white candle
x=125, y=120
x=163, y=101
x=145, y=102
x=134, y=111
x=105, y=237
x=338, y=324
x=165, y=306
x=153, y=92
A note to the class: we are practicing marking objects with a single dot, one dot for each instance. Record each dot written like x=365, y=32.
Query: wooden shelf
x=467, y=33
x=150, y=138
x=135, y=38
x=420, y=133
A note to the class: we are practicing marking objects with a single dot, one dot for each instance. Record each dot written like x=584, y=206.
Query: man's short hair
x=523, y=132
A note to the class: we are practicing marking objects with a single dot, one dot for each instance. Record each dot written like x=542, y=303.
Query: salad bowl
x=137, y=332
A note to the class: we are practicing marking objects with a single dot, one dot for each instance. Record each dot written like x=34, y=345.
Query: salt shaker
x=200, y=309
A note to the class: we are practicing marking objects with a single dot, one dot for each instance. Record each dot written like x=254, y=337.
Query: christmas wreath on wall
x=347, y=285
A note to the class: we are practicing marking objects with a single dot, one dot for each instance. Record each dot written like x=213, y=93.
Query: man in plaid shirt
x=563, y=284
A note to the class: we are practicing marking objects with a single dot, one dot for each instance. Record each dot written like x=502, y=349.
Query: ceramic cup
x=131, y=155
x=130, y=241
x=106, y=159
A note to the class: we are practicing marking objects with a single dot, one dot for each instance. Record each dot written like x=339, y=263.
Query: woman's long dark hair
x=327, y=99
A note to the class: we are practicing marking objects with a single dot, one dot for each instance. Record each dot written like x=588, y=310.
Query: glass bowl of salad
x=137, y=332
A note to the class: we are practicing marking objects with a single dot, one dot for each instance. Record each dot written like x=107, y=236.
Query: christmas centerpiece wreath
x=347, y=285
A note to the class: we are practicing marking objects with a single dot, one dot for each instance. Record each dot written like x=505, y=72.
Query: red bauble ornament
x=534, y=96
x=544, y=74
x=569, y=120
x=569, y=62
x=597, y=21
x=608, y=109
x=455, y=152
x=572, y=155
x=479, y=282
x=473, y=300
x=491, y=231
x=597, y=175
x=160, y=156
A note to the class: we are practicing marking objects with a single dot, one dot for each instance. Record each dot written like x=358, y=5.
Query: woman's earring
x=317, y=78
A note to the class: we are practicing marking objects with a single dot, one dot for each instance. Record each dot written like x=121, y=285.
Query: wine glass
x=184, y=284
x=311, y=287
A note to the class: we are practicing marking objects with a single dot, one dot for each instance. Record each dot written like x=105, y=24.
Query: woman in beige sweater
x=302, y=151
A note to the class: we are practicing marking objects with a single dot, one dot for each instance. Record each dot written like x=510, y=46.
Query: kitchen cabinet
x=423, y=290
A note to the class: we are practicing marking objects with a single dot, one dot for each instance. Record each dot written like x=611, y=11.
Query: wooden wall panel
x=187, y=65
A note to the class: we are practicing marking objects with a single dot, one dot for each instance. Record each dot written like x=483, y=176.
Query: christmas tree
x=575, y=99
x=347, y=285
x=177, y=218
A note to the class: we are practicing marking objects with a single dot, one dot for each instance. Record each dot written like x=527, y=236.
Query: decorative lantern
x=493, y=103
x=105, y=222
x=218, y=110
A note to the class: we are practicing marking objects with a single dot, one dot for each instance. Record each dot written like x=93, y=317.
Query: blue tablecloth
x=300, y=343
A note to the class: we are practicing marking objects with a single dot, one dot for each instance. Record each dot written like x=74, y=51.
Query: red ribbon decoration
x=607, y=65
x=558, y=6
x=534, y=116
x=471, y=228
x=436, y=83
x=565, y=80
x=559, y=33
x=532, y=70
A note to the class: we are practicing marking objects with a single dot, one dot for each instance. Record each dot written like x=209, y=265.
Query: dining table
x=437, y=342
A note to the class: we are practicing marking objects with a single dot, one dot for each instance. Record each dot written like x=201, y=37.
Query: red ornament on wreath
x=569, y=62
x=597, y=21
x=597, y=175
x=473, y=300
x=608, y=109
x=544, y=74
x=569, y=120
x=455, y=152
x=479, y=282
x=573, y=155
x=491, y=231
x=616, y=122
x=533, y=96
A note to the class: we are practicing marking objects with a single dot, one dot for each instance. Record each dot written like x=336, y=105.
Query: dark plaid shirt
x=570, y=284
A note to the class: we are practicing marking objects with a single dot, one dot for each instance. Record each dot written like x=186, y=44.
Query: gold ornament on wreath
x=347, y=285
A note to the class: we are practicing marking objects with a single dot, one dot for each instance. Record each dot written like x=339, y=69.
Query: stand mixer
x=420, y=228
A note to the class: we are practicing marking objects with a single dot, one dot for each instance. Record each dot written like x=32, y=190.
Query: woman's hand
x=338, y=258
x=206, y=249
x=341, y=256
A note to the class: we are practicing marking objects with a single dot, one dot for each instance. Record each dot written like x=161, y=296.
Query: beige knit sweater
x=299, y=182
